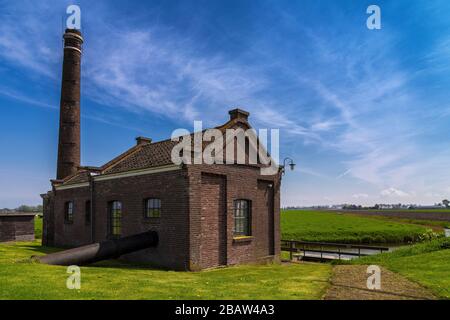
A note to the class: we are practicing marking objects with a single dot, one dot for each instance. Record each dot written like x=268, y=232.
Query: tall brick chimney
x=69, y=119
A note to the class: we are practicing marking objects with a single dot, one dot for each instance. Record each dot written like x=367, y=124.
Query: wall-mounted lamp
x=290, y=163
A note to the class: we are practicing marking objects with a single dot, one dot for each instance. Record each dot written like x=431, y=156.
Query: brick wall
x=196, y=224
x=48, y=221
x=16, y=227
x=213, y=238
x=241, y=182
x=76, y=233
x=172, y=226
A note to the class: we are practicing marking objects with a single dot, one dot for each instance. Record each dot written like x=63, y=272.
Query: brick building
x=205, y=215
x=16, y=226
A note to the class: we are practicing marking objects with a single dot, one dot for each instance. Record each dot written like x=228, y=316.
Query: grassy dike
x=426, y=263
x=336, y=227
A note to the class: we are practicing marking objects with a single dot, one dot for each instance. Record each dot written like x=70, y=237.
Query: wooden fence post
x=291, y=244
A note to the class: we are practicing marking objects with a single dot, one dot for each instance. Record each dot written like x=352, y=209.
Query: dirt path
x=348, y=282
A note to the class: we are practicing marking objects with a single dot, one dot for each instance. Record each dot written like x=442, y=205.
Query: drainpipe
x=91, y=185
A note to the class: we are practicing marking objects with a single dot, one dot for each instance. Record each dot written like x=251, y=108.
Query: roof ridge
x=120, y=157
x=74, y=175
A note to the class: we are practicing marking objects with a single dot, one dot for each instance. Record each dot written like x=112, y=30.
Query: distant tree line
x=23, y=208
x=444, y=204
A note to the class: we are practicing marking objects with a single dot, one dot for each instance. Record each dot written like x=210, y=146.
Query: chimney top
x=73, y=35
x=73, y=31
x=238, y=114
x=143, y=140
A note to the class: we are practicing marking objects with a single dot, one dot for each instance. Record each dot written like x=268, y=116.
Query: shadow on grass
x=111, y=263
x=41, y=249
x=120, y=264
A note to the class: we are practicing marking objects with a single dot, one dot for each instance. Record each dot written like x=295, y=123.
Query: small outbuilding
x=16, y=227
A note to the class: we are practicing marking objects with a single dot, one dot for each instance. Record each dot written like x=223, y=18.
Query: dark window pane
x=115, y=217
x=153, y=208
x=68, y=212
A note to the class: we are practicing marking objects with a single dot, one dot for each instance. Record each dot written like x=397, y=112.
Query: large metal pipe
x=109, y=249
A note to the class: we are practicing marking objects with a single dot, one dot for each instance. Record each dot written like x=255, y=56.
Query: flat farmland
x=434, y=215
x=322, y=226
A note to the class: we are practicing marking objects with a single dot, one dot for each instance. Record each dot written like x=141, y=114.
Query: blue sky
x=364, y=113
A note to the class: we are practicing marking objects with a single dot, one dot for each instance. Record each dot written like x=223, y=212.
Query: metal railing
x=340, y=249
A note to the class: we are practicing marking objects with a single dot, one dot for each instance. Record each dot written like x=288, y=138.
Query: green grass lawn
x=335, y=227
x=426, y=263
x=430, y=223
x=38, y=227
x=21, y=279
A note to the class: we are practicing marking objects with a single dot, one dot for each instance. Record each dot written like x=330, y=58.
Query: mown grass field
x=437, y=216
x=38, y=227
x=434, y=224
x=335, y=227
x=423, y=263
x=426, y=263
x=21, y=279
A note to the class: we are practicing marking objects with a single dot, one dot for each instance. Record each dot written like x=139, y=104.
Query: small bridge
x=325, y=251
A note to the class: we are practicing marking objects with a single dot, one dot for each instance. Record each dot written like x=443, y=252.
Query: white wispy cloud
x=325, y=125
x=348, y=96
x=146, y=73
x=13, y=94
x=390, y=192
x=343, y=174
x=360, y=196
x=24, y=37
x=311, y=172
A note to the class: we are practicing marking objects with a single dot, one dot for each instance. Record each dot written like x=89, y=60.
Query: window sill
x=242, y=239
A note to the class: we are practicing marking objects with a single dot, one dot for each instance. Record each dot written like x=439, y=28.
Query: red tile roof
x=146, y=156
x=141, y=156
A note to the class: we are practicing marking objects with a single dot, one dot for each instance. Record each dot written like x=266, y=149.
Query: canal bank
x=324, y=251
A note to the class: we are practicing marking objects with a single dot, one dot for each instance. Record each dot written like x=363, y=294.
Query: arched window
x=242, y=218
x=152, y=208
x=115, y=219
x=68, y=212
